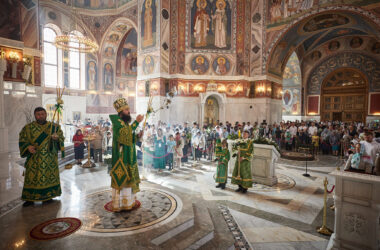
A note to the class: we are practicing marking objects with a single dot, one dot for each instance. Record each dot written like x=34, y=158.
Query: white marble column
x=3, y=129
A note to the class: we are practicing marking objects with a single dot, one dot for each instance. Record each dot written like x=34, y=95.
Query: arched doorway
x=211, y=110
x=344, y=96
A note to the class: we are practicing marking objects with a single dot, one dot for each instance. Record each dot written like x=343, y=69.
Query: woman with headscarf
x=78, y=146
x=159, y=150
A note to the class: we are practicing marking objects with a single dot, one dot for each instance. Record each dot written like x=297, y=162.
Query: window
x=76, y=65
x=51, y=58
x=345, y=78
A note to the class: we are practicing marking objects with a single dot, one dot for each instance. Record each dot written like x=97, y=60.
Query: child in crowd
x=288, y=140
x=315, y=141
x=170, y=149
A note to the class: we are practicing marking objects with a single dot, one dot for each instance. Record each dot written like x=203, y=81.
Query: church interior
x=201, y=124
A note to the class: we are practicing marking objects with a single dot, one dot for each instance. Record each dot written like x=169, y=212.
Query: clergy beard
x=126, y=118
x=41, y=122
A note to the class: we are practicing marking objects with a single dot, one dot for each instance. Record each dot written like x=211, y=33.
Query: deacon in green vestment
x=39, y=143
x=125, y=178
x=223, y=156
x=242, y=175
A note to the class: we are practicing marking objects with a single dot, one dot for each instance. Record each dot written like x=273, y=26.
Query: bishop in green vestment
x=125, y=179
x=39, y=143
x=223, y=155
x=242, y=175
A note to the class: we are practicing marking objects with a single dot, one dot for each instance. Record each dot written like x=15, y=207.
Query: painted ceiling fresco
x=282, y=12
x=95, y=4
x=315, y=31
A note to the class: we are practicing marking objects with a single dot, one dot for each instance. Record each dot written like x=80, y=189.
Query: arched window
x=76, y=66
x=52, y=63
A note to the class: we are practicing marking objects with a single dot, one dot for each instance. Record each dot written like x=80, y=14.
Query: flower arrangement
x=108, y=159
x=258, y=140
x=232, y=137
x=236, y=144
x=266, y=141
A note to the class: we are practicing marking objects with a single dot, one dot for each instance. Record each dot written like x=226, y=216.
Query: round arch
x=54, y=27
x=344, y=95
x=221, y=98
x=280, y=41
x=121, y=20
x=120, y=63
x=118, y=32
x=366, y=64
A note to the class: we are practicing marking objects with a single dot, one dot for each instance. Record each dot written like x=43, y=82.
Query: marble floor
x=284, y=216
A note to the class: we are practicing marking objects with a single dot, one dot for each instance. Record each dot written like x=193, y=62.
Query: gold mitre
x=120, y=104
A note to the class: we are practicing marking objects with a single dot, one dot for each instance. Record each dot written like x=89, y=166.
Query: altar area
x=262, y=163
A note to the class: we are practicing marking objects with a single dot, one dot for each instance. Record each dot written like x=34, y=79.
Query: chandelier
x=75, y=41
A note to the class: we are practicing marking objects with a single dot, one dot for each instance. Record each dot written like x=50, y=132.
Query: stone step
x=196, y=236
x=183, y=221
x=223, y=238
x=70, y=159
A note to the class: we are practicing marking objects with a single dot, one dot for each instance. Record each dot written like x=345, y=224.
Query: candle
x=239, y=134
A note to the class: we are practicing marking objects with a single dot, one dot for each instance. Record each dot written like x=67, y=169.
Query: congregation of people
x=168, y=146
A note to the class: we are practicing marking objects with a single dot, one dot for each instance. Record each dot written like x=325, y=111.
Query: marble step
x=223, y=238
x=70, y=159
x=196, y=236
x=179, y=224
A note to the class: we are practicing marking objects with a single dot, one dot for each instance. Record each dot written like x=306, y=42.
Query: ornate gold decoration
x=120, y=104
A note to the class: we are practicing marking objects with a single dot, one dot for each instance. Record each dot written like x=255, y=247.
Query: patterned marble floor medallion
x=156, y=206
x=283, y=182
x=56, y=228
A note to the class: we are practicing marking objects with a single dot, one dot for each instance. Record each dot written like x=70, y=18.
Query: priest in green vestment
x=223, y=155
x=242, y=175
x=39, y=143
x=125, y=178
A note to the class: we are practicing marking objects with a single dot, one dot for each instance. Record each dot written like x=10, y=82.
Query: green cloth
x=41, y=169
x=223, y=155
x=242, y=174
x=159, y=151
x=124, y=172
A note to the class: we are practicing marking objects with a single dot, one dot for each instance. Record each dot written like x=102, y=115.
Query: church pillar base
x=3, y=140
x=3, y=129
